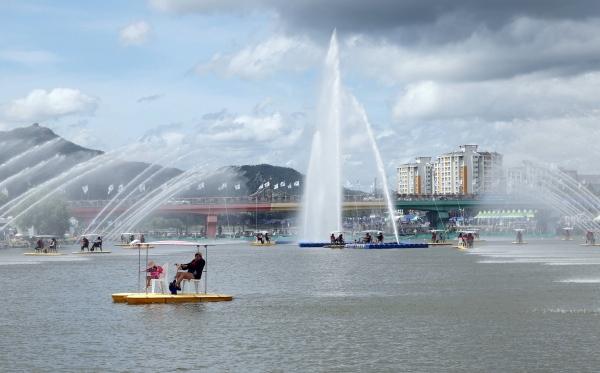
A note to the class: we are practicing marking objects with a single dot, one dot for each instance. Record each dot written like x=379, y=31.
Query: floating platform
x=386, y=246
x=519, y=243
x=43, y=254
x=589, y=244
x=150, y=298
x=439, y=243
x=91, y=252
x=313, y=244
x=272, y=243
x=142, y=246
x=335, y=246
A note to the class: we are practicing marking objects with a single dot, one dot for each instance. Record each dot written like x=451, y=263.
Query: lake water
x=499, y=307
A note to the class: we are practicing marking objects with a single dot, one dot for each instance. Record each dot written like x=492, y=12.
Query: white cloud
x=518, y=98
x=41, y=105
x=135, y=33
x=253, y=129
x=185, y=6
x=265, y=58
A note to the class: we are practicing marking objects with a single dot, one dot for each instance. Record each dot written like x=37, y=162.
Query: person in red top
x=154, y=271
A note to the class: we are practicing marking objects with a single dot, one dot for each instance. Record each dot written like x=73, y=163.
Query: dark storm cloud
x=468, y=39
x=364, y=16
x=384, y=15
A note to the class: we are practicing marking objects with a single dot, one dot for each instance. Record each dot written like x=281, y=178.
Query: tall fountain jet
x=322, y=212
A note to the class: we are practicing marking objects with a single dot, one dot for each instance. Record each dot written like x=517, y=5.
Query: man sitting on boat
x=39, y=245
x=380, y=237
x=340, y=240
x=97, y=244
x=519, y=237
x=332, y=239
x=367, y=238
x=53, y=244
x=194, y=272
x=85, y=243
x=267, y=237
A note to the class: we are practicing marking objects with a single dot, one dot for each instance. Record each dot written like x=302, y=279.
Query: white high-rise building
x=465, y=171
x=415, y=178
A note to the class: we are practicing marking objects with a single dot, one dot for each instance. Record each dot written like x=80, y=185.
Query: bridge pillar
x=211, y=226
x=437, y=219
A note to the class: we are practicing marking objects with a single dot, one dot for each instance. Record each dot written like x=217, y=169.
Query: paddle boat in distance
x=192, y=291
x=466, y=239
x=130, y=240
x=335, y=242
x=590, y=238
x=263, y=238
x=46, y=249
x=94, y=245
x=519, y=238
x=567, y=234
x=438, y=238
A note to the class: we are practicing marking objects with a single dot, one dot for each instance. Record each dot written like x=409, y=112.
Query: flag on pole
x=237, y=187
x=290, y=186
x=111, y=187
x=260, y=187
x=142, y=187
x=267, y=184
x=276, y=186
x=120, y=188
x=223, y=186
x=201, y=186
x=85, y=189
x=282, y=184
x=297, y=183
x=5, y=191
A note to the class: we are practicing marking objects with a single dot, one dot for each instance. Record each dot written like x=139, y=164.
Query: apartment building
x=465, y=171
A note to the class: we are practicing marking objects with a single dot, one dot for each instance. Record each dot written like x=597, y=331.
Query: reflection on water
x=434, y=309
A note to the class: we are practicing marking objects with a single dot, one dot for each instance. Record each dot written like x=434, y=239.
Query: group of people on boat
x=368, y=238
x=41, y=248
x=339, y=240
x=96, y=244
x=589, y=238
x=437, y=237
x=466, y=239
x=263, y=238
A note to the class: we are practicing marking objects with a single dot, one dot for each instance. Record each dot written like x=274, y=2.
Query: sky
x=238, y=81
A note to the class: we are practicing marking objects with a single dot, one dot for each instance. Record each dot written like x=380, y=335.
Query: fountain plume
x=322, y=212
